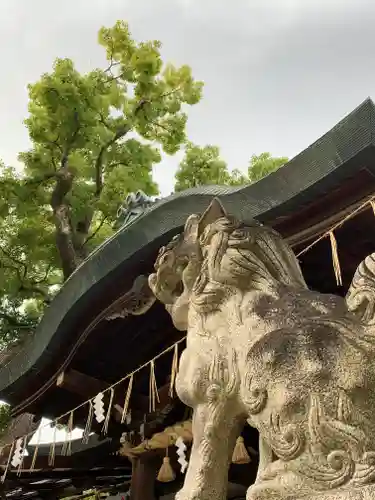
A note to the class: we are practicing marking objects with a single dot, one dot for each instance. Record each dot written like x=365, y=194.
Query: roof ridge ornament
x=135, y=205
x=134, y=302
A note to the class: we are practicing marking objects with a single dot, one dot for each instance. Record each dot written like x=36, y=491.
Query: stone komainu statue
x=297, y=365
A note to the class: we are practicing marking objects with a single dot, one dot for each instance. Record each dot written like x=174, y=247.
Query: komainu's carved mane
x=361, y=295
x=237, y=249
x=217, y=254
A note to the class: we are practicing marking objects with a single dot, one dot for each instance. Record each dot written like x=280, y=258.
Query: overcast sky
x=277, y=73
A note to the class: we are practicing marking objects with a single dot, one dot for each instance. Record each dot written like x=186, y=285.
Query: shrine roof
x=335, y=172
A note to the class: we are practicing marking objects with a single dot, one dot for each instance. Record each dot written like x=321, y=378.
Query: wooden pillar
x=144, y=472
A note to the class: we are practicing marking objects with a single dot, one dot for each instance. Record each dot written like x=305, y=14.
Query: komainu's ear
x=214, y=212
x=191, y=230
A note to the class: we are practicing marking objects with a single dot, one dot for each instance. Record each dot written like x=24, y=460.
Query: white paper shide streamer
x=98, y=404
x=18, y=453
x=181, y=452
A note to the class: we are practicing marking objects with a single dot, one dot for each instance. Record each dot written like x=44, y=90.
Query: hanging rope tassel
x=153, y=389
x=66, y=449
x=70, y=432
x=127, y=399
x=52, y=449
x=335, y=258
x=166, y=473
x=35, y=456
x=87, y=431
x=240, y=454
x=174, y=371
x=108, y=416
x=36, y=449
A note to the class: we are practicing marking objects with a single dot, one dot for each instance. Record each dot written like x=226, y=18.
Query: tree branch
x=24, y=286
x=54, y=163
x=13, y=321
x=177, y=89
x=44, y=279
x=13, y=268
x=84, y=226
x=103, y=122
x=118, y=135
x=161, y=126
x=34, y=289
x=55, y=143
x=40, y=180
x=117, y=163
x=99, y=160
x=112, y=64
x=16, y=261
x=94, y=233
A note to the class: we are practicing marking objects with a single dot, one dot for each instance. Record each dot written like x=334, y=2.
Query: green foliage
x=5, y=418
x=264, y=164
x=203, y=165
x=95, y=137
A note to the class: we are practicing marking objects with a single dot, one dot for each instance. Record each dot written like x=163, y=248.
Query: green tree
x=200, y=166
x=95, y=137
x=263, y=164
x=203, y=166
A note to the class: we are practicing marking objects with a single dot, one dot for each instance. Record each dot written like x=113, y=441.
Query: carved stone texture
x=299, y=366
x=363, y=493
x=135, y=301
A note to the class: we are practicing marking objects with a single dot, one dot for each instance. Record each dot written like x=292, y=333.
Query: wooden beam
x=80, y=383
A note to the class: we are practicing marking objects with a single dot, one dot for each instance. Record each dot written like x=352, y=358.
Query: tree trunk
x=63, y=224
x=70, y=240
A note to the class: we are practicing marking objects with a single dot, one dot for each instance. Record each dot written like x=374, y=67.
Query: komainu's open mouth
x=167, y=284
